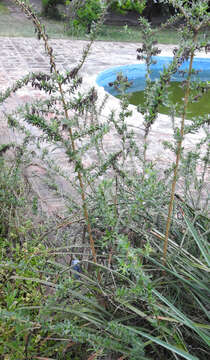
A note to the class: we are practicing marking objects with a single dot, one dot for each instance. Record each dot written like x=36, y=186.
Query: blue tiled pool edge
x=136, y=73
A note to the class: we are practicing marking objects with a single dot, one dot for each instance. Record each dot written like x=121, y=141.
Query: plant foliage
x=125, y=273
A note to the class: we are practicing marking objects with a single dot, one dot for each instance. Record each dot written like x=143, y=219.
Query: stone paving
x=19, y=56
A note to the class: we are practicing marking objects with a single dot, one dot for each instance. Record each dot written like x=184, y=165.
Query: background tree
x=49, y=7
x=81, y=14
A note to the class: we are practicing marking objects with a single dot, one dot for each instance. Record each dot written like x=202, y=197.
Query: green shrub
x=128, y=5
x=140, y=290
x=87, y=13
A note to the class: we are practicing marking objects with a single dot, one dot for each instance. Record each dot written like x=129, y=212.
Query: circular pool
x=136, y=73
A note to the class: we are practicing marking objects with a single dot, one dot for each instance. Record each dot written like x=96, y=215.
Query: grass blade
x=170, y=347
x=199, y=241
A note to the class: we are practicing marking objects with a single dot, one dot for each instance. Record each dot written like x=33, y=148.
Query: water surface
x=176, y=95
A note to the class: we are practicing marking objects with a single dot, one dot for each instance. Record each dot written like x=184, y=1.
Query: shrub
x=88, y=12
x=128, y=5
x=140, y=291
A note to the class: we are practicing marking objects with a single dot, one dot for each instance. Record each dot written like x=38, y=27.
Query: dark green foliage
x=128, y=5
x=49, y=8
x=88, y=13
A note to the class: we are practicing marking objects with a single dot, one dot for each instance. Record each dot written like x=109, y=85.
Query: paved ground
x=19, y=56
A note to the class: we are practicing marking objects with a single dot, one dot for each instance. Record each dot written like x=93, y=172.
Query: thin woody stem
x=178, y=156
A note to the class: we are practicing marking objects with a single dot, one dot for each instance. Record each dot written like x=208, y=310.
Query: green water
x=201, y=107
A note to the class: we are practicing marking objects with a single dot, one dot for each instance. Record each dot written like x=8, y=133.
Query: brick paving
x=19, y=56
